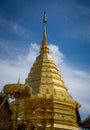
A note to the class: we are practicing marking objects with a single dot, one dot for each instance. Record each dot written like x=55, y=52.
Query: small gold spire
x=44, y=47
x=18, y=82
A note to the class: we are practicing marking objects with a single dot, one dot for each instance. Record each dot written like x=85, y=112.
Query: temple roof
x=86, y=123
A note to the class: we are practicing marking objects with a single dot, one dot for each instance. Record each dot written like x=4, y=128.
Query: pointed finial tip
x=44, y=47
x=44, y=17
x=18, y=80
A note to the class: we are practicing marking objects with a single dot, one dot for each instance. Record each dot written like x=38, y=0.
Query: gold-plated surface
x=46, y=113
x=51, y=106
x=20, y=89
x=44, y=48
x=19, y=92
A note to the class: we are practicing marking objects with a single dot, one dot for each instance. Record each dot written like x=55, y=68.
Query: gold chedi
x=50, y=107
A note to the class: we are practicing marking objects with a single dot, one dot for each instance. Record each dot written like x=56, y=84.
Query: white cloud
x=56, y=54
x=77, y=81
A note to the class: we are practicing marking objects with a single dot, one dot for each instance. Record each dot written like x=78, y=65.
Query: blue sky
x=68, y=30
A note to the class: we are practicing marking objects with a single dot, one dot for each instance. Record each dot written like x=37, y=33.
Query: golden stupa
x=50, y=106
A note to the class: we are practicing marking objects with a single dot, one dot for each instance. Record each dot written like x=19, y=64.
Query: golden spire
x=44, y=47
x=18, y=82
